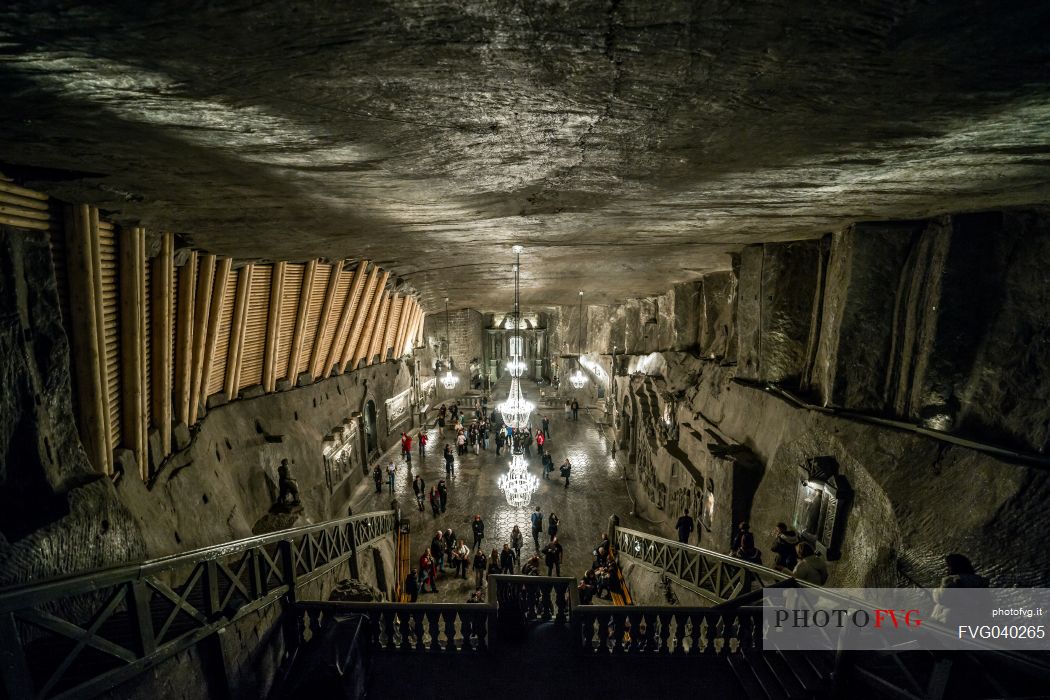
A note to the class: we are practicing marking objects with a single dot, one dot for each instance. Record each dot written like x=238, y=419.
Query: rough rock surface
x=629, y=146
x=56, y=514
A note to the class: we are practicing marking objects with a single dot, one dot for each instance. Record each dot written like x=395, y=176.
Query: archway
x=371, y=429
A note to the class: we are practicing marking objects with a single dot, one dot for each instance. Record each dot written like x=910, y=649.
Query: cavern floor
x=595, y=492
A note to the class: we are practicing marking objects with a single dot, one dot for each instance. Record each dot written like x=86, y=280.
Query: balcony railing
x=79, y=635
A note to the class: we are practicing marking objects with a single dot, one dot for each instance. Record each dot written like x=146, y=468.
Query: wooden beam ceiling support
x=300, y=321
x=340, y=339
x=379, y=333
x=202, y=312
x=322, y=323
x=240, y=307
x=184, y=338
x=360, y=314
x=88, y=361
x=163, y=281
x=218, y=298
x=408, y=312
x=365, y=343
x=273, y=323
x=132, y=276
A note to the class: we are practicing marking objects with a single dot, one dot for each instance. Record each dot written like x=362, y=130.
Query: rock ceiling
x=627, y=145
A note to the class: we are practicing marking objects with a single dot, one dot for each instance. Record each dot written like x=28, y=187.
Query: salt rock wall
x=223, y=484
x=716, y=316
x=56, y=514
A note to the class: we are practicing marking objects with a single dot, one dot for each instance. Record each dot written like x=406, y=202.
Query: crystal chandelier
x=517, y=484
x=578, y=378
x=516, y=409
x=450, y=380
x=516, y=366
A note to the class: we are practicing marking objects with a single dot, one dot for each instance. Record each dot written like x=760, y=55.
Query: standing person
x=390, y=472
x=516, y=541
x=810, y=566
x=548, y=465
x=568, y=410
x=441, y=416
x=526, y=442
x=435, y=501
x=406, y=446
x=546, y=426
x=566, y=470
x=450, y=545
x=537, y=526
x=377, y=476
x=506, y=559
x=478, y=528
x=552, y=554
x=461, y=558
x=552, y=525
x=494, y=565
x=539, y=442
x=501, y=440
x=450, y=460
x=684, y=527
x=412, y=585
x=443, y=494
x=784, y=541
x=461, y=443
x=575, y=409
x=479, y=568
x=419, y=487
x=437, y=549
x=423, y=440
x=427, y=572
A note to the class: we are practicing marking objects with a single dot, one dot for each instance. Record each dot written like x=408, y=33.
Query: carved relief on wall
x=398, y=411
x=646, y=472
x=821, y=502
x=341, y=453
x=427, y=390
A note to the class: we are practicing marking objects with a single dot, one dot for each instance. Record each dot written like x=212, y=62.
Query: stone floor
x=595, y=492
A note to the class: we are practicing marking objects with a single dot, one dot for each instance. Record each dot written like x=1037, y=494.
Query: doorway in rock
x=371, y=430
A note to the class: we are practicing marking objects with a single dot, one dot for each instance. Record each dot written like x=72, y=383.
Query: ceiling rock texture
x=644, y=139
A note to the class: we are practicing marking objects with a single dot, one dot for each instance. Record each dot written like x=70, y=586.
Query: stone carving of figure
x=288, y=485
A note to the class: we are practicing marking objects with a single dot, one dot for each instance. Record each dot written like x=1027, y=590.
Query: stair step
x=785, y=675
x=803, y=672
x=770, y=683
x=746, y=677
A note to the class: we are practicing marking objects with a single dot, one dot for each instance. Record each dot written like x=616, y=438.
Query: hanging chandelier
x=517, y=485
x=516, y=410
x=578, y=378
x=450, y=380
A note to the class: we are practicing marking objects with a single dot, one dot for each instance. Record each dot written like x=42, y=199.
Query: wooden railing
x=79, y=635
x=715, y=576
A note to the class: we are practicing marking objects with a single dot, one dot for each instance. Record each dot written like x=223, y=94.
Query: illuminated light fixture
x=517, y=485
x=450, y=380
x=578, y=379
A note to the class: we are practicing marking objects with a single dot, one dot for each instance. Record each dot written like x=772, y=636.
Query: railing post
x=142, y=617
x=351, y=536
x=211, y=589
x=17, y=681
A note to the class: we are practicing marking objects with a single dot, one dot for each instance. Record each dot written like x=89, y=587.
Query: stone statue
x=288, y=485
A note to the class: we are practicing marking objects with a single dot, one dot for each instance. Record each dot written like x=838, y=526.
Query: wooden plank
x=269, y=379
x=100, y=331
x=14, y=189
x=162, y=281
x=360, y=313
x=132, y=303
x=336, y=350
x=219, y=313
x=87, y=364
x=313, y=314
x=393, y=321
x=202, y=310
x=300, y=321
x=408, y=311
x=379, y=332
x=325, y=320
x=253, y=345
x=368, y=330
x=233, y=360
x=184, y=338
x=24, y=203
x=109, y=271
x=291, y=289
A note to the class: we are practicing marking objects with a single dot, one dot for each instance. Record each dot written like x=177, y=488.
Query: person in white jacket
x=810, y=567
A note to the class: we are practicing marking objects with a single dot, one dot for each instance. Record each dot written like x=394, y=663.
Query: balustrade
x=670, y=631
x=416, y=627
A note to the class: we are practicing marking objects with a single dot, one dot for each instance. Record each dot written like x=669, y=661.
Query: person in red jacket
x=423, y=440
x=406, y=446
x=427, y=572
x=539, y=442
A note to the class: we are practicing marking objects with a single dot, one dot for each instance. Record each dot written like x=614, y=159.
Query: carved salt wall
x=936, y=323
